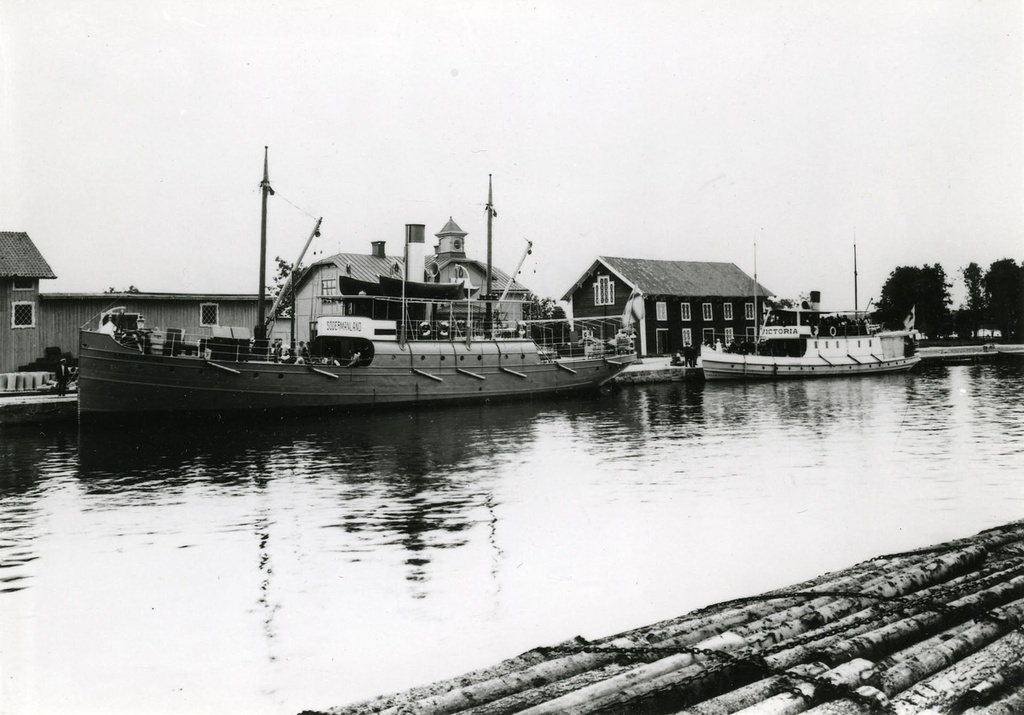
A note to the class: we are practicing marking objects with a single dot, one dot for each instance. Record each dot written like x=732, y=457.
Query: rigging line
x=110, y=305
x=296, y=206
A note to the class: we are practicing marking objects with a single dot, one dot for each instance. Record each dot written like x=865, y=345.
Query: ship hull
x=114, y=379
x=718, y=366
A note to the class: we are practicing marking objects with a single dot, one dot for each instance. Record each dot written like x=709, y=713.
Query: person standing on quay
x=63, y=376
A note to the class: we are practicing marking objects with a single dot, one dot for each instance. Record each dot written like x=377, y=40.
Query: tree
x=970, y=317
x=924, y=290
x=284, y=271
x=130, y=289
x=543, y=309
x=1004, y=296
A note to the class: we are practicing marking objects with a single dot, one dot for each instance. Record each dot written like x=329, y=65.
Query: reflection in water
x=413, y=480
x=310, y=561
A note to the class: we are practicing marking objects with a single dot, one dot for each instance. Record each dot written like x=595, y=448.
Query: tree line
x=994, y=300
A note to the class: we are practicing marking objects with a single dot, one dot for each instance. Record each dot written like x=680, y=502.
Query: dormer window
x=24, y=283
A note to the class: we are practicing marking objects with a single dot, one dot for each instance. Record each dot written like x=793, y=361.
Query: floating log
x=951, y=685
x=931, y=630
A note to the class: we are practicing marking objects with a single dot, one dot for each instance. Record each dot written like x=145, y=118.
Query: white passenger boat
x=806, y=343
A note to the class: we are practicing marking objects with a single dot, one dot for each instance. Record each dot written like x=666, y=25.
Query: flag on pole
x=908, y=322
x=634, y=308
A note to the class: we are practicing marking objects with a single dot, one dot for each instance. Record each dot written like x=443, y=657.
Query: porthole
x=462, y=357
x=479, y=357
x=443, y=358
x=280, y=376
x=255, y=375
x=423, y=357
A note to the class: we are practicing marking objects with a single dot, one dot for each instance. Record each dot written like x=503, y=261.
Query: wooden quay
x=935, y=630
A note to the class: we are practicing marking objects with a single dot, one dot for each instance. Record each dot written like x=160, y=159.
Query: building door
x=661, y=341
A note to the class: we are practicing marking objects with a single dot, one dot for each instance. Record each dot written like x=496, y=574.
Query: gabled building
x=318, y=288
x=672, y=303
x=21, y=269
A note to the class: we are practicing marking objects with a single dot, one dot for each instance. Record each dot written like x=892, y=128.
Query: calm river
x=269, y=567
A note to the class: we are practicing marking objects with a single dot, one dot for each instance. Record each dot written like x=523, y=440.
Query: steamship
x=398, y=340
x=805, y=343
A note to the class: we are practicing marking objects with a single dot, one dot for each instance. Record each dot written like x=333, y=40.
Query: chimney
x=815, y=300
x=414, y=249
x=377, y=249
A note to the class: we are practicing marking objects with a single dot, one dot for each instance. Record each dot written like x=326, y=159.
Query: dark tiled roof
x=19, y=257
x=684, y=278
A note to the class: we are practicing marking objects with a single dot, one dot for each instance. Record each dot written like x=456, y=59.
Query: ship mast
x=261, y=320
x=855, y=305
x=491, y=213
x=756, y=318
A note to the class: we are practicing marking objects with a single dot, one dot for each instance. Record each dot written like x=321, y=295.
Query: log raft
x=936, y=630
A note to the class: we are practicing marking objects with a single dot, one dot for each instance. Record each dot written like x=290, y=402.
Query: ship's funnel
x=815, y=300
x=414, y=252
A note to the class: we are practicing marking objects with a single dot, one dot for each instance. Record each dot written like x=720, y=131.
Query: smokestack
x=815, y=300
x=414, y=252
x=377, y=249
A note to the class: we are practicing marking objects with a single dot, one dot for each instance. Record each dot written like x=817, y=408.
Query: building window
x=730, y=336
x=684, y=311
x=661, y=308
x=23, y=315
x=329, y=286
x=708, y=315
x=209, y=314
x=709, y=336
x=24, y=284
x=728, y=311
x=687, y=336
x=748, y=311
x=751, y=333
x=604, y=291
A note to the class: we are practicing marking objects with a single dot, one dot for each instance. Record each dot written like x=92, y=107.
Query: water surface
x=276, y=565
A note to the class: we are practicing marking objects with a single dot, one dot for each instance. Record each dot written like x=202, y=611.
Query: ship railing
x=562, y=338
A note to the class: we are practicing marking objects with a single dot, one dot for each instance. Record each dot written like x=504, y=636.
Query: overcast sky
x=132, y=135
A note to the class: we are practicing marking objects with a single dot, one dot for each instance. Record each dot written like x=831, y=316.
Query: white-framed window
x=687, y=336
x=328, y=286
x=708, y=314
x=729, y=335
x=684, y=311
x=24, y=283
x=708, y=336
x=23, y=314
x=209, y=314
x=751, y=333
x=748, y=311
x=604, y=291
x=661, y=308
x=727, y=311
